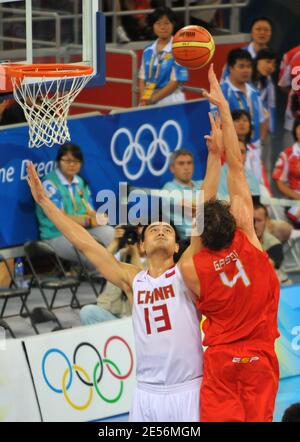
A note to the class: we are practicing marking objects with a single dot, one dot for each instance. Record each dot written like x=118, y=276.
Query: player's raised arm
x=239, y=191
x=214, y=143
x=120, y=274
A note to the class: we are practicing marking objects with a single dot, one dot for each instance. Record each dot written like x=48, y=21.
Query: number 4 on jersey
x=241, y=274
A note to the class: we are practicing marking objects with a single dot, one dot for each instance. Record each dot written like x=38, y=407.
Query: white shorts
x=172, y=403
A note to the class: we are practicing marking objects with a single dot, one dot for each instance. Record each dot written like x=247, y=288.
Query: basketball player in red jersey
x=238, y=294
x=165, y=318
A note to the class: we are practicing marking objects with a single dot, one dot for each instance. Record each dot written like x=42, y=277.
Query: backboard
x=53, y=31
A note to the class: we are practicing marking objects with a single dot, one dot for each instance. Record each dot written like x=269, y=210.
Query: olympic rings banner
x=132, y=147
x=88, y=375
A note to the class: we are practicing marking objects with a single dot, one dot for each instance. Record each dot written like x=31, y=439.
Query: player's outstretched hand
x=215, y=95
x=214, y=141
x=35, y=184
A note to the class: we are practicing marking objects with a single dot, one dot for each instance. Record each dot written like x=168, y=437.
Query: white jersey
x=167, y=329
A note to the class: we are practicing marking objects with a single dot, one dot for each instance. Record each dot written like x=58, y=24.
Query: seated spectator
x=251, y=178
x=136, y=25
x=182, y=167
x=261, y=34
x=112, y=303
x=203, y=18
x=160, y=77
x=11, y=113
x=292, y=413
x=287, y=174
x=241, y=95
x=270, y=244
x=70, y=193
x=281, y=229
x=287, y=74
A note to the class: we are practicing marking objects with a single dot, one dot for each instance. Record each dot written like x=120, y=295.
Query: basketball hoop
x=46, y=92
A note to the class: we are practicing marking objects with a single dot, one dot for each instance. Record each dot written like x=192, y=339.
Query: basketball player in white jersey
x=165, y=320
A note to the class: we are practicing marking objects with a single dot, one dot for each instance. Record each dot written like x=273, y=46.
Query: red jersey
x=239, y=294
x=287, y=167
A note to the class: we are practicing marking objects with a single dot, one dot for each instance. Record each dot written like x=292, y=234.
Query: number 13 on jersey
x=163, y=318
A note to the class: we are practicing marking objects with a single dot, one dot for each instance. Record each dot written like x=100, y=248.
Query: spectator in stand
x=269, y=242
x=135, y=25
x=241, y=119
x=70, y=193
x=261, y=34
x=263, y=67
x=182, y=167
x=242, y=123
x=241, y=95
x=11, y=113
x=289, y=81
x=112, y=303
x=251, y=178
x=287, y=174
x=204, y=18
x=160, y=77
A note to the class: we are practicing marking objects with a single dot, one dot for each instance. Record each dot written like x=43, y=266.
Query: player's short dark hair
x=143, y=232
x=72, y=149
x=257, y=205
x=178, y=153
x=295, y=125
x=292, y=413
x=238, y=54
x=158, y=13
x=261, y=18
x=219, y=225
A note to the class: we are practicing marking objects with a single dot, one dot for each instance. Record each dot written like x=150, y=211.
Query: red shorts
x=239, y=384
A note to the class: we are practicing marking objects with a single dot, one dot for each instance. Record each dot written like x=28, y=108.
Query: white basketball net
x=46, y=104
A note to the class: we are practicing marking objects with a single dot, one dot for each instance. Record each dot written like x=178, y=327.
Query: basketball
x=193, y=47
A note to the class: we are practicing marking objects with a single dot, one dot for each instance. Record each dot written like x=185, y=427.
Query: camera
x=130, y=236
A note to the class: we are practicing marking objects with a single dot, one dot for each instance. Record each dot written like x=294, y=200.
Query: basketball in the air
x=193, y=47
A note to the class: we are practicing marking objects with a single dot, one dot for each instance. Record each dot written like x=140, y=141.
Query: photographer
x=112, y=303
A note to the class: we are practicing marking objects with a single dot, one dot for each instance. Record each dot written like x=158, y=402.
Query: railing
x=132, y=82
x=39, y=16
x=62, y=52
x=234, y=7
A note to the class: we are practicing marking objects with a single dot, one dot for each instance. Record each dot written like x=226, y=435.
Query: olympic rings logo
x=84, y=377
x=134, y=146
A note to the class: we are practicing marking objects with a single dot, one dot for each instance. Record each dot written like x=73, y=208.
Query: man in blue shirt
x=241, y=95
x=182, y=166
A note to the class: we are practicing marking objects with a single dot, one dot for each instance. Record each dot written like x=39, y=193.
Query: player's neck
x=159, y=264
